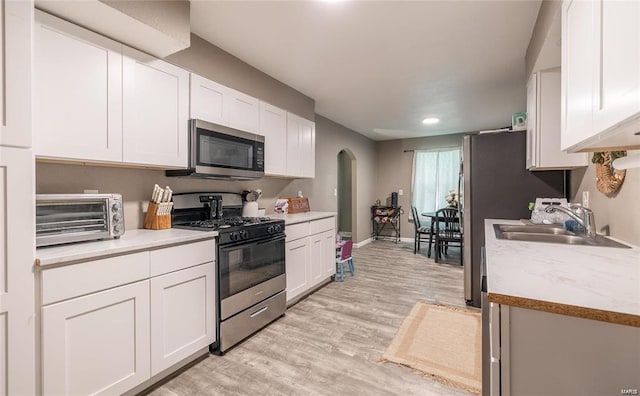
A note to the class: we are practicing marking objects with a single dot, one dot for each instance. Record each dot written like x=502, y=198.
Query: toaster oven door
x=64, y=222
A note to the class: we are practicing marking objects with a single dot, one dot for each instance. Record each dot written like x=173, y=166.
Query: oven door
x=250, y=272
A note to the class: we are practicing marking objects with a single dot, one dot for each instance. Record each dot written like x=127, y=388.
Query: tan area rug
x=442, y=342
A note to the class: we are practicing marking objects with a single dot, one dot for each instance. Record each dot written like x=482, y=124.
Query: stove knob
x=270, y=230
x=278, y=228
x=234, y=236
x=244, y=234
x=117, y=228
x=117, y=217
x=116, y=206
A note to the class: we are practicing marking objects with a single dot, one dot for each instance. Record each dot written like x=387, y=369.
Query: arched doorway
x=347, y=213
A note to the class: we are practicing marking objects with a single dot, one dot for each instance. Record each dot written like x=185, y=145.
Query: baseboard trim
x=407, y=240
x=362, y=243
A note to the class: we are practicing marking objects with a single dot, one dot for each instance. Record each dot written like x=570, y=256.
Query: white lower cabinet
x=182, y=315
x=323, y=254
x=97, y=344
x=296, y=259
x=310, y=255
x=111, y=324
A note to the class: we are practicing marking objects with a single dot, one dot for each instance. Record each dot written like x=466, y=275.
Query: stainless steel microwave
x=66, y=218
x=220, y=152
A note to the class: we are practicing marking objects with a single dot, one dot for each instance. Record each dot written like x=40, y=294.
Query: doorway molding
x=352, y=185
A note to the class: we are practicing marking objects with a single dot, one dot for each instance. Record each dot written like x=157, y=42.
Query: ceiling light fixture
x=430, y=121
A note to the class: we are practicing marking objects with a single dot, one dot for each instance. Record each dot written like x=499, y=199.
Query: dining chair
x=422, y=232
x=447, y=231
x=344, y=257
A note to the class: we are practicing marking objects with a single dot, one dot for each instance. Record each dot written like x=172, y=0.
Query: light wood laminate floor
x=330, y=343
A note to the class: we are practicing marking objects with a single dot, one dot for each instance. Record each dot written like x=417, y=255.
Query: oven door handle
x=254, y=243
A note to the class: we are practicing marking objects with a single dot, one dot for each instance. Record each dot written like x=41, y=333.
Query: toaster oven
x=66, y=218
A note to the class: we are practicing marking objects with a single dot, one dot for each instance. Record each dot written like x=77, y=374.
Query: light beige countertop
x=131, y=241
x=302, y=217
x=593, y=282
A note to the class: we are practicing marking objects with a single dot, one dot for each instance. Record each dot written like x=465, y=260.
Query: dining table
x=432, y=216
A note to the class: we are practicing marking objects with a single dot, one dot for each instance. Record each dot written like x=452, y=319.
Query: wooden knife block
x=153, y=221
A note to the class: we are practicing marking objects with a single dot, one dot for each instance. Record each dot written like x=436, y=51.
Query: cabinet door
x=15, y=75
x=17, y=247
x=209, y=100
x=329, y=253
x=156, y=111
x=301, y=143
x=77, y=90
x=308, y=148
x=297, y=257
x=294, y=155
x=97, y=344
x=273, y=126
x=531, y=121
x=543, y=125
x=244, y=111
x=182, y=315
x=317, y=258
x=577, y=74
x=616, y=76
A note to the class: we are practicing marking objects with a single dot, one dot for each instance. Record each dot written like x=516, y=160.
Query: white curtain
x=435, y=174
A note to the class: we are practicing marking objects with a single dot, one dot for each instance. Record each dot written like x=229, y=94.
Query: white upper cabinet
x=301, y=142
x=273, y=126
x=98, y=101
x=77, y=92
x=155, y=111
x=209, y=100
x=222, y=105
x=244, y=111
x=15, y=75
x=600, y=78
x=543, y=124
x=616, y=80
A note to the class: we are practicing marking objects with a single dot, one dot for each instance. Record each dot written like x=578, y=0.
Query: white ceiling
x=380, y=67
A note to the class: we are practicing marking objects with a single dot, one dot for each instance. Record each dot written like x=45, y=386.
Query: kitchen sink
x=550, y=234
x=534, y=229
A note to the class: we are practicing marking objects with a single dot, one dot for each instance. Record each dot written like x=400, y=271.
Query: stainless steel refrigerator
x=495, y=184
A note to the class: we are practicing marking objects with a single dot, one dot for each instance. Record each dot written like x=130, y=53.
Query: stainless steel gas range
x=251, y=278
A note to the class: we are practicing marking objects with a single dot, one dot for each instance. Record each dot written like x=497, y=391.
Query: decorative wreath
x=608, y=180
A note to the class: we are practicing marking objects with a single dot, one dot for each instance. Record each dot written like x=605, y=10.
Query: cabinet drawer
x=183, y=256
x=321, y=225
x=92, y=276
x=297, y=231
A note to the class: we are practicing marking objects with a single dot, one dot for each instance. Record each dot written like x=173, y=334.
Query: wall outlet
x=585, y=199
x=335, y=192
x=401, y=192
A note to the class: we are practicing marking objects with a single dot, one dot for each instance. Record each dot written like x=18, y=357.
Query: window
x=435, y=174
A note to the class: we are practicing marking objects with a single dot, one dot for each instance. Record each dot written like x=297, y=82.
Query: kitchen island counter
x=592, y=282
x=131, y=241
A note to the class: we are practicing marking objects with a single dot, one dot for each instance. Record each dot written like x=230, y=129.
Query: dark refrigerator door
x=501, y=188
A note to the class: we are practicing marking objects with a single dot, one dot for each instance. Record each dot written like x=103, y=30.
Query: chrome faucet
x=584, y=217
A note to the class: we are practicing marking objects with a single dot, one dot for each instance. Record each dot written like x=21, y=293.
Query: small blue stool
x=345, y=257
